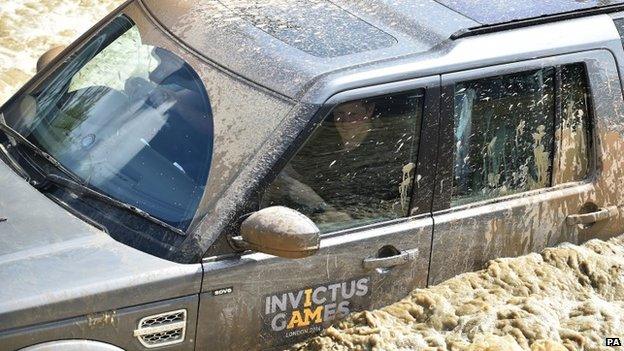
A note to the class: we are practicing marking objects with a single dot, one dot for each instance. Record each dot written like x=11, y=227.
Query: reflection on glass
x=504, y=133
x=574, y=128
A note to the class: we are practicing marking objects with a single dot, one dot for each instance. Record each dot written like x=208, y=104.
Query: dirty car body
x=240, y=175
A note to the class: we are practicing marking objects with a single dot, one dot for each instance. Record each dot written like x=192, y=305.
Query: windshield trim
x=75, y=183
x=22, y=140
x=88, y=191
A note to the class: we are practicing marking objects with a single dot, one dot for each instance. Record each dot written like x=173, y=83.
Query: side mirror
x=279, y=231
x=48, y=56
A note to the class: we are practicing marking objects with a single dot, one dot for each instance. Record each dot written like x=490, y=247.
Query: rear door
x=354, y=175
x=529, y=157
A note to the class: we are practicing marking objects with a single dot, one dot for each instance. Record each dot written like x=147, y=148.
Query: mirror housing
x=48, y=56
x=279, y=231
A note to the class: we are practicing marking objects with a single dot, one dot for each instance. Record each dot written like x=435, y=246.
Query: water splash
x=28, y=28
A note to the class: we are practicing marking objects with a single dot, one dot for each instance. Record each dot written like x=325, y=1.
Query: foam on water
x=566, y=298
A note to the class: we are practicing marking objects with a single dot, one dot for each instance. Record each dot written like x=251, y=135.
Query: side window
x=357, y=167
x=510, y=128
x=574, y=127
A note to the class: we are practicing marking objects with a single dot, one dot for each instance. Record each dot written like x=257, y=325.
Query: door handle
x=387, y=262
x=593, y=217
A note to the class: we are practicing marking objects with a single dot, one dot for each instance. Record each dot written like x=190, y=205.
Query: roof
x=286, y=45
x=283, y=45
x=488, y=12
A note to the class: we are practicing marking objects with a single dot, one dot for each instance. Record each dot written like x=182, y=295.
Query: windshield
x=131, y=120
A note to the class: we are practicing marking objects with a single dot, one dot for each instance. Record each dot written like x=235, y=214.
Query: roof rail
x=526, y=22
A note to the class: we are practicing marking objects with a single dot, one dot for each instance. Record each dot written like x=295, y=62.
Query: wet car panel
x=104, y=326
x=57, y=244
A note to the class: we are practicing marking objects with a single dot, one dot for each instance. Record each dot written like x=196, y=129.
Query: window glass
x=508, y=130
x=357, y=167
x=132, y=120
x=504, y=135
x=574, y=128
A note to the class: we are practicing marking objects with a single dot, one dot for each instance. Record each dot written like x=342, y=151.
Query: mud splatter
x=566, y=298
x=102, y=319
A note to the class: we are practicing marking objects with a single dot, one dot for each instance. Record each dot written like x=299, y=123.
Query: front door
x=354, y=176
x=531, y=150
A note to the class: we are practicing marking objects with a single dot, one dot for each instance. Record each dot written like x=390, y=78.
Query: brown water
x=29, y=28
x=566, y=298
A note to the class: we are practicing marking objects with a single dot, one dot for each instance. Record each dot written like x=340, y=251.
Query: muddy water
x=28, y=28
x=566, y=298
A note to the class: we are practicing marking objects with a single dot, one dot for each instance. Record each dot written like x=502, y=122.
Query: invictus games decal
x=293, y=314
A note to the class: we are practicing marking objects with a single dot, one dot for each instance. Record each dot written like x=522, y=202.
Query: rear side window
x=357, y=167
x=574, y=127
x=511, y=129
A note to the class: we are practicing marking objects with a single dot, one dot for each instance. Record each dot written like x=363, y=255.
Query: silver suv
x=238, y=175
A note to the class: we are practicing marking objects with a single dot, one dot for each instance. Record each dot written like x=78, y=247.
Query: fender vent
x=162, y=329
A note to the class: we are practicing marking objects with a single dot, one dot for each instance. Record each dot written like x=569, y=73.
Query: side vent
x=162, y=329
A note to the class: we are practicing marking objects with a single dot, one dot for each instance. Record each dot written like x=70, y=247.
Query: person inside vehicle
x=331, y=159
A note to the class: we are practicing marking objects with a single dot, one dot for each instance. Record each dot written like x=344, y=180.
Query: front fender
x=72, y=345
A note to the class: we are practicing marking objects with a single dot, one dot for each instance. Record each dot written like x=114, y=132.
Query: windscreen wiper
x=9, y=160
x=85, y=190
x=22, y=140
x=76, y=184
